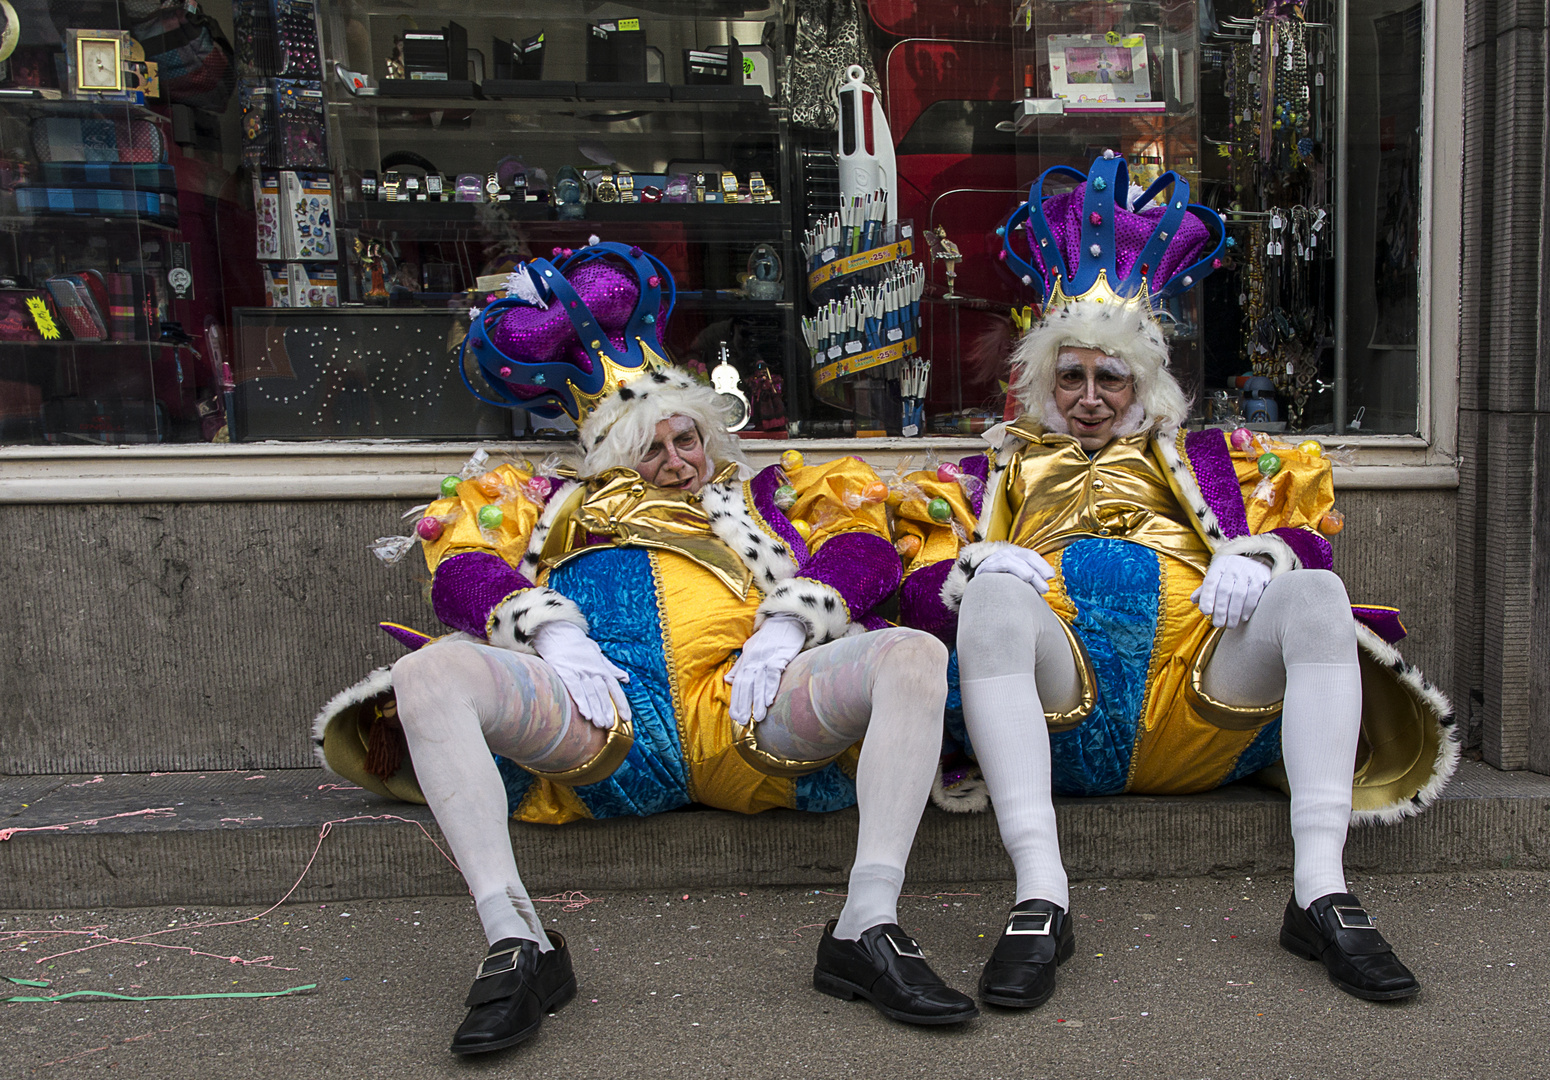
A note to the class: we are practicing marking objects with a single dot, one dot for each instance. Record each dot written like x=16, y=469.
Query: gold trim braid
x=621, y=736
x=1219, y=713
x=745, y=742
x=1070, y=718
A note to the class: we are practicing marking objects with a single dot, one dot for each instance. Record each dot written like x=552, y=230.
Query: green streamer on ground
x=19, y=1000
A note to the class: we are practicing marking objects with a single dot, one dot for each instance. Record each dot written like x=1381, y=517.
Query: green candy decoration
x=1269, y=464
x=449, y=486
x=785, y=496
x=490, y=517
x=939, y=509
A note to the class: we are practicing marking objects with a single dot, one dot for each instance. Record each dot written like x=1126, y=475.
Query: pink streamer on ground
x=141, y=939
x=157, y=811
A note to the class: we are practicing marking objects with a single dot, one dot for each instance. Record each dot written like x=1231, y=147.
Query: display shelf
x=722, y=215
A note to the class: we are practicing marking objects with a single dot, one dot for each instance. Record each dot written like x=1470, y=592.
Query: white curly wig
x=1123, y=331
x=623, y=426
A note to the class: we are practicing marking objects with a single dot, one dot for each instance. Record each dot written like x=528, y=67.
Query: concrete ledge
x=244, y=838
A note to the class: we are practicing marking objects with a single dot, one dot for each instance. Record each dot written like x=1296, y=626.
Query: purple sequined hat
x=1088, y=242
x=571, y=332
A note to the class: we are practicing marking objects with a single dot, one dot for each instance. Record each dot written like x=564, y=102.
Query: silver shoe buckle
x=1023, y=923
x=1354, y=918
x=482, y=973
x=909, y=948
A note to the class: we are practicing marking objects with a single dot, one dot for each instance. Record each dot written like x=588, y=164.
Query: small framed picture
x=1099, y=67
x=95, y=59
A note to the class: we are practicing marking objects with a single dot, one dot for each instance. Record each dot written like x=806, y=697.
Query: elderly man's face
x=1092, y=392
x=676, y=458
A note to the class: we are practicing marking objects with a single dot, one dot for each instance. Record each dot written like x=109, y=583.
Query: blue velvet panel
x=614, y=587
x=1114, y=587
x=827, y=789
x=1262, y=753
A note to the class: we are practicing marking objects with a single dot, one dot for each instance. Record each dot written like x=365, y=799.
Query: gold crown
x=615, y=375
x=1101, y=293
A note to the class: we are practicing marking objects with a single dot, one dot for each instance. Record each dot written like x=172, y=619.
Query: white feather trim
x=378, y=682
x=1441, y=709
x=515, y=620
x=1279, y=552
x=768, y=559
x=823, y=611
x=968, y=561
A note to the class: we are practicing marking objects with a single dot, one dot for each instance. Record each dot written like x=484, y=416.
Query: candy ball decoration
x=1312, y=447
x=896, y=497
x=791, y=460
x=947, y=472
x=908, y=546
x=490, y=517
x=785, y=496
x=939, y=509
x=876, y=492
x=449, y=486
x=1242, y=439
x=428, y=528
x=804, y=530
x=1269, y=464
x=1331, y=523
x=489, y=485
x=538, y=488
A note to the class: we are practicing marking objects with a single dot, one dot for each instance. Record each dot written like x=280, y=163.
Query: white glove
x=1021, y=563
x=1231, y=590
x=589, y=677
x=755, y=678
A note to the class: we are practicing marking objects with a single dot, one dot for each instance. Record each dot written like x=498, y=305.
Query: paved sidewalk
x=1171, y=979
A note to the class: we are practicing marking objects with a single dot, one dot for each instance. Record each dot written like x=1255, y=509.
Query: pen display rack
x=863, y=337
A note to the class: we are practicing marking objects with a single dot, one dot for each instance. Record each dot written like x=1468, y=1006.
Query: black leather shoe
x=1337, y=931
x=1020, y=973
x=887, y=968
x=513, y=989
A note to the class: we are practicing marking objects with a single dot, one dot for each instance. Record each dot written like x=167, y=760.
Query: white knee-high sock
x=464, y=790
x=899, y=758
x=1005, y=720
x=1320, y=722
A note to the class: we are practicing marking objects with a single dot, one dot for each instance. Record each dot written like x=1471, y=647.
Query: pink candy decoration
x=653, y=281
x=539, y=487
x=506, y=372
x=1095, y=218
x=1242, y=439
x=947, y=472
x=1001, y=254
x=1216, y=264
x=428, y=528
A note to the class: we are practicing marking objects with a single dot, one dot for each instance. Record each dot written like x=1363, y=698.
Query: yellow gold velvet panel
x=1177, y=751
x=705, y=624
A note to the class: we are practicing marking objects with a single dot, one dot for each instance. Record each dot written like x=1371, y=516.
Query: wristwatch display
x=607, y=190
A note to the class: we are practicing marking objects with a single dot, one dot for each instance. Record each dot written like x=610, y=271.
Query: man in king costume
x=1138, y=608
x=660, y=627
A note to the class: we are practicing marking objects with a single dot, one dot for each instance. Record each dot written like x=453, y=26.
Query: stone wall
x=160, y=637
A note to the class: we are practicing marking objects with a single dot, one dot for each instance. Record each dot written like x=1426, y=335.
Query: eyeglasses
x=1075, y=380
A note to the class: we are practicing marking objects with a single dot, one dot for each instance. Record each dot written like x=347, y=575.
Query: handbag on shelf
x=78, y=308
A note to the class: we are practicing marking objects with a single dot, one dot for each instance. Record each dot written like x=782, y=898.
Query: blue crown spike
x=1151, y=255
x=1098, y=223
x=1096, y=249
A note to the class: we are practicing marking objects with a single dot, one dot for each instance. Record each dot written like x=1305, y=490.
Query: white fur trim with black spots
x=768, y=559
x=823, y=611
x=964, y=567
x=1265, y=545
x=515, y=620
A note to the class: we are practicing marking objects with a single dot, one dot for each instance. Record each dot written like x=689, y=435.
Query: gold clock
x=96, y=60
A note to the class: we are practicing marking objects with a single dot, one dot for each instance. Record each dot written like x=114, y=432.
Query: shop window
x=268, y=219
